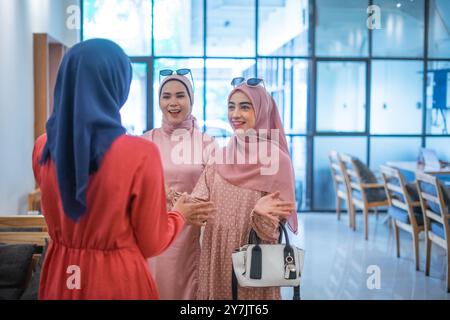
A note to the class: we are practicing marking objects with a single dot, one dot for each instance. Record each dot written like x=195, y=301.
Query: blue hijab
x=93, y=84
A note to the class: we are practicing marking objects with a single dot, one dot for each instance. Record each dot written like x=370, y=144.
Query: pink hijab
x=249, y=175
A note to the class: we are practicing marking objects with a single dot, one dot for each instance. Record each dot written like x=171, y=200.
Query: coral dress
x=103, y=256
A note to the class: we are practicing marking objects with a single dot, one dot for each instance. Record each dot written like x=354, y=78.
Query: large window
x=438, y=97
x=341, y=28
x=439, y=29
x=178, y=27
x=396, y=94
x=378, y=92
x=134, y=112
x=341, y=96
x=129, y=23
x=402, y=31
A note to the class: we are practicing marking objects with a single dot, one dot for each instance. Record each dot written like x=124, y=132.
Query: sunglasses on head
x=180, y=72
x=252, y=82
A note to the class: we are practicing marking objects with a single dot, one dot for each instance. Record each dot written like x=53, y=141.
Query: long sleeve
x=266, y=227
x=201, y=191
x=155, y=228
x=36, y=157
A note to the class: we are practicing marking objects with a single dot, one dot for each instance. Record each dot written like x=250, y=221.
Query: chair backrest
x=352, y=172
x=27, y=230
x=337, y=171
x=396, y=190
x=434, y=202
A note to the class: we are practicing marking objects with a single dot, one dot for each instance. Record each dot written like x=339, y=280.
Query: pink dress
x=227, y=231
x=176, y=270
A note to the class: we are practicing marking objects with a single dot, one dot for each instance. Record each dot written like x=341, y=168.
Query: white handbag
x=267, y=265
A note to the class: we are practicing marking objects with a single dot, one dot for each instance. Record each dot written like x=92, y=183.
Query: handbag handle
x=254, y=239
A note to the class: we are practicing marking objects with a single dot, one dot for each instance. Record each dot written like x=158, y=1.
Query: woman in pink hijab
x=184, y=154
x=256, y=193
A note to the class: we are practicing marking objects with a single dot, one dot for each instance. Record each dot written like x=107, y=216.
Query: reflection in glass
x=341, y=96
x=324, y=195
x=286, y=80
x=438, y=97
x=230, y=28
x=341, y=28
x=441, y=146
x=396, y=94
x=134, y=112
x=196, y=66
x=219, y=73
x=383, y=150
x=129, y=23
x=402, y=29
x=283, y=28
x=178, y=27
x=297, y=146
x=439, y=30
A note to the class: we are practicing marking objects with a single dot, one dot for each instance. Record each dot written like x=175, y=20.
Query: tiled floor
x=337, y=261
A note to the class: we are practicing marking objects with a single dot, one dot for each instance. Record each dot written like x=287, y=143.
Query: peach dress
x=227, y=231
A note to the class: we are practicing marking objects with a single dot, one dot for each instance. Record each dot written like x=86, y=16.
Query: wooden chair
x=435, y=208
x=363, y=195
x=34, y=200
x=405, y=209
x=22, y=236
x=340, y=184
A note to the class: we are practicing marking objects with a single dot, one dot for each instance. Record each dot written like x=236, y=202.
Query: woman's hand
x=195, y=213
x=272, y=205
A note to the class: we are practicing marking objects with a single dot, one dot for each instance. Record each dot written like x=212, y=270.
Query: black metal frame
x=313, y=60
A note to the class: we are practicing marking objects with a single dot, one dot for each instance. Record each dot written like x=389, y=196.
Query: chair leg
x=351, y=213
x=397, y=237
x=366, y=223
x=448, y=270
x=338, y=207
x=416, y=248
x=354, y=218
x=427, y=254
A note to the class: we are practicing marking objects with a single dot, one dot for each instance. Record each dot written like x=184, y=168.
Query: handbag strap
x=234, y=284
x=254, y=239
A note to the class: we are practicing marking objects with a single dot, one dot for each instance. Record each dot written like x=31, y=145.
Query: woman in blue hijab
x=103, y=194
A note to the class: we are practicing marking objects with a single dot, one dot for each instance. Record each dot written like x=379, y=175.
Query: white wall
x=19, y=19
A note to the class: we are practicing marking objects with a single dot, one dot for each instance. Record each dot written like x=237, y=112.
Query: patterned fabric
x=227, y=231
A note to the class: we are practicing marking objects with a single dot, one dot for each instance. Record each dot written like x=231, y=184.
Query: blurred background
x=360, y=84
x=379, y=94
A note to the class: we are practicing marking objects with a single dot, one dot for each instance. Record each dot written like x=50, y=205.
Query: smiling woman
x=175, y=102
x=241, y=113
